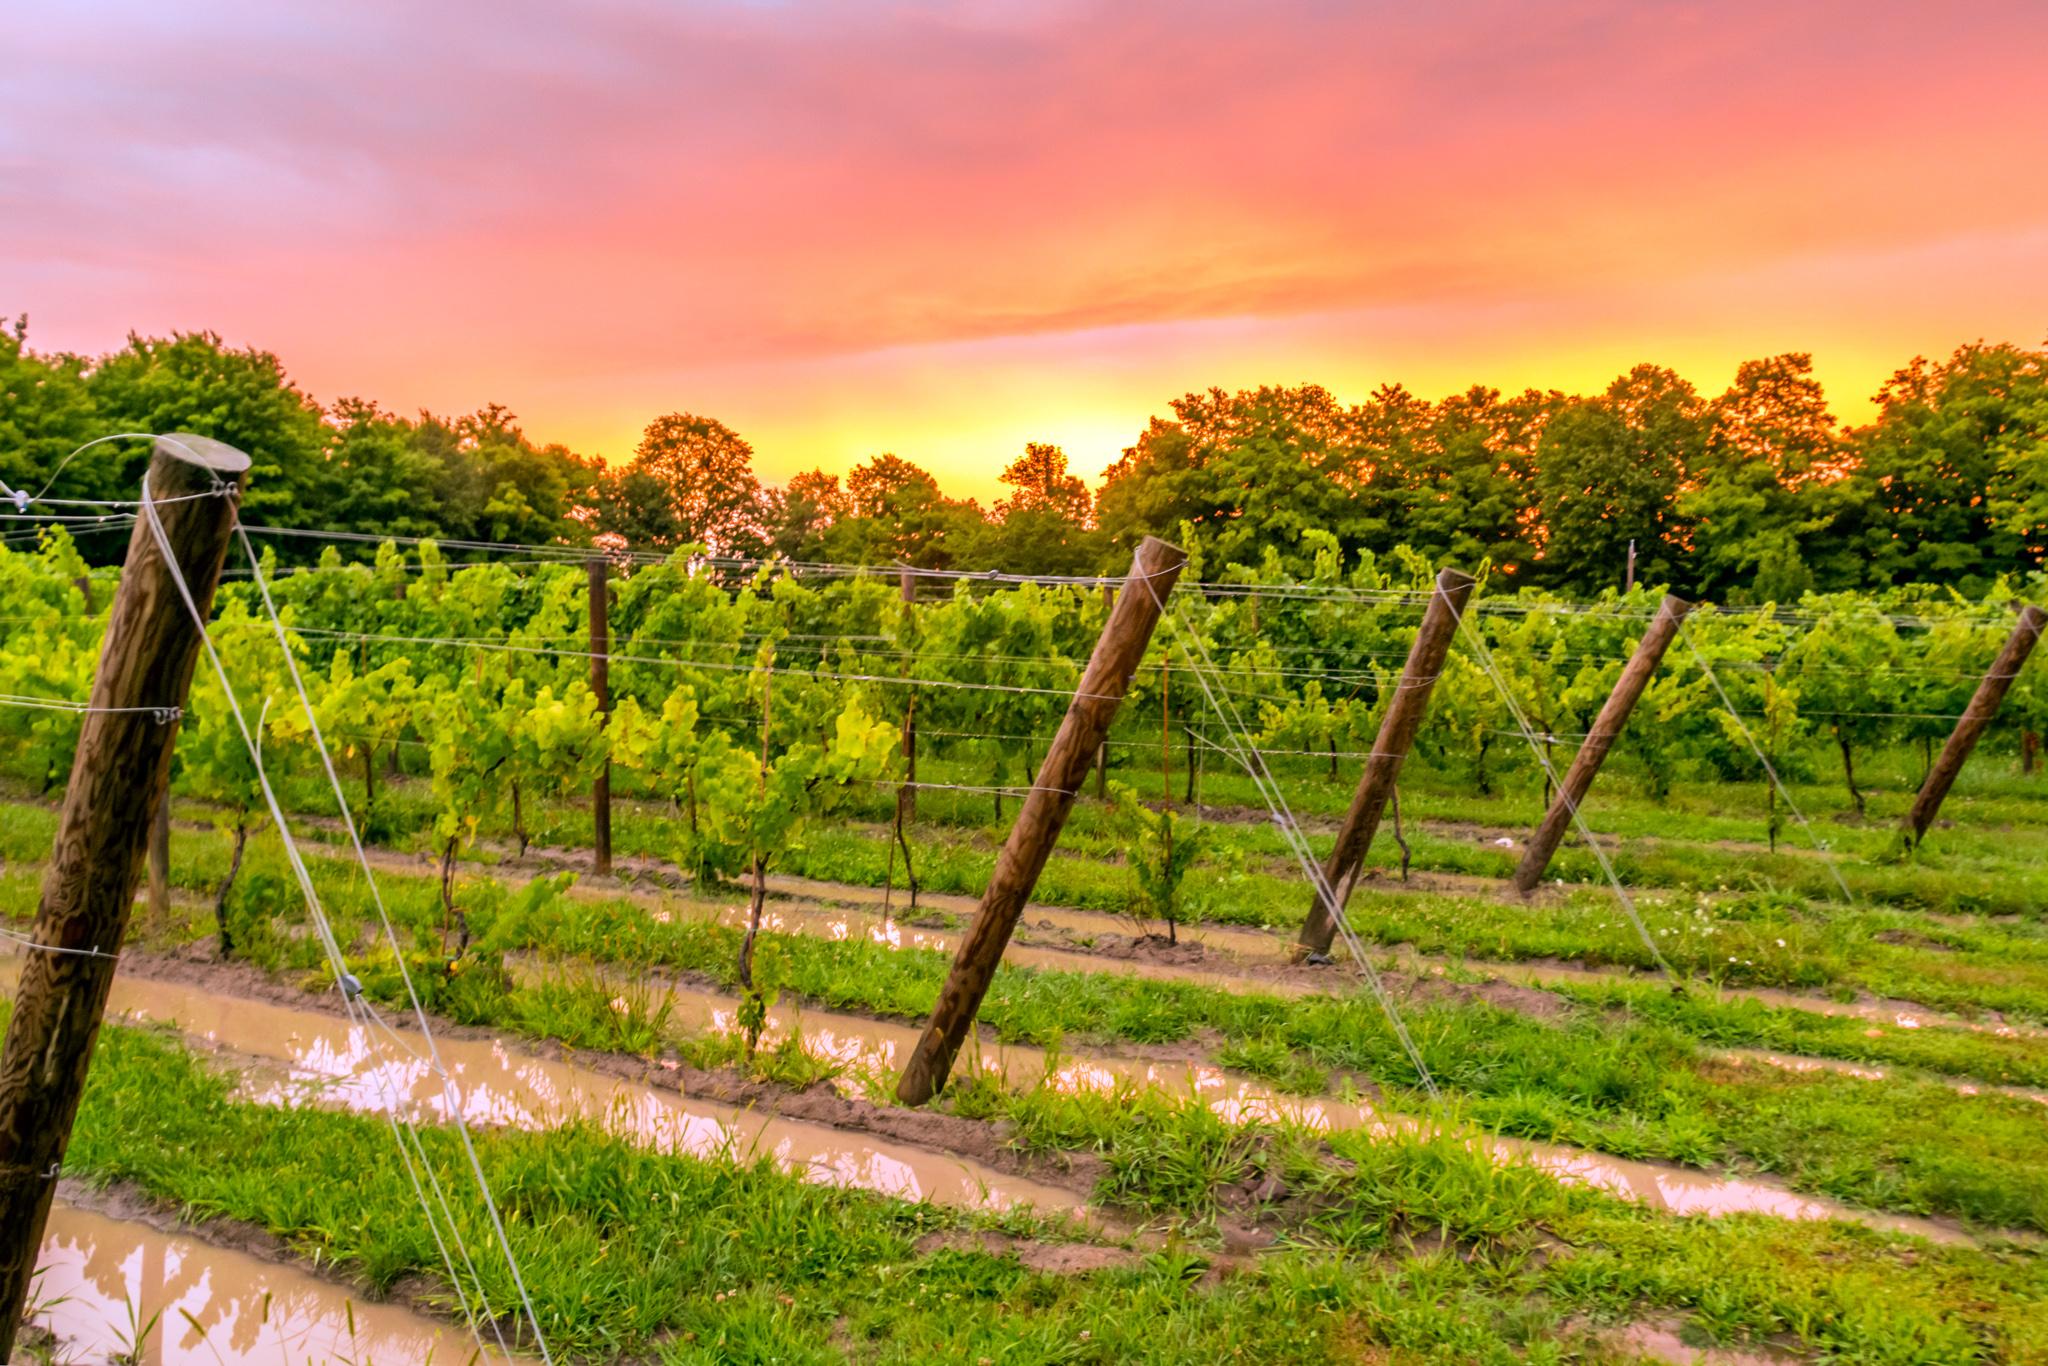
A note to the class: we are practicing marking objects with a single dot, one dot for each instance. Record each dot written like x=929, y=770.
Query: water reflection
x=326, y=1059
x=101, y=1280
x=329, y=1060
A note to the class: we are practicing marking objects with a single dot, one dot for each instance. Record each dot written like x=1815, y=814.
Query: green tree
x=1609, y=471
x=896, y=513
x=1459, y=487
x=1044, y=526
x=1252, y=470
x=1956, y=470
x=801, y=513
x=705, y=473
x=386, y=481
x=45, y=414
x=1762, y=510
x=192, y=382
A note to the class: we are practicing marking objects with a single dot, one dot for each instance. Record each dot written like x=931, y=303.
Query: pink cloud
x=428, y=203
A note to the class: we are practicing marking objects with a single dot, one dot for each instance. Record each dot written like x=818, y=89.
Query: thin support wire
x=1201, y=665
x=419, y=1010
x=303, y=876
x=1819, y=845
x=1529, y=733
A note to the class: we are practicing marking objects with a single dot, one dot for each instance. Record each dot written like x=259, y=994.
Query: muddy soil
x=908, y=1153
x=1232, y=957
x=946, y=1137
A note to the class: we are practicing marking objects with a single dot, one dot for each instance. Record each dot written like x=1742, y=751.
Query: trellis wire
x=391, y=934
x=302, y=875
x=1819, y=845
x=1290, y=831
x=1628, y=905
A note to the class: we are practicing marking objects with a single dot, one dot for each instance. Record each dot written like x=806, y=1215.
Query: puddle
x=1884, y=1014
x=837, y=922
x=1661, y=1342
x=872, y=1052
x=1236, y=941
x=1249, y=948
x=328, y=1060
x=1677, y=1190
x=1242, y=949
x=868, y=1044
x=1868, y=1072
x=99, y=1276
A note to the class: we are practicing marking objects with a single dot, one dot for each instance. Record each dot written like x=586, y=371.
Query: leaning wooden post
x=1642, y=665
x=1118, y=653
x=1397, y=732
x=601, y=686
x=1971, y=726
x=118, y=780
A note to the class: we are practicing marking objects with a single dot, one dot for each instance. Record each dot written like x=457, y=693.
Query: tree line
x=1759, y=493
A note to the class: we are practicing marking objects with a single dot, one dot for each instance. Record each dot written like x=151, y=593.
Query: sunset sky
x=946, y=229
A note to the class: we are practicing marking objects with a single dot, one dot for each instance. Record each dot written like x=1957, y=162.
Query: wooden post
x=601, y=685
x=1165, y=731
x=906, y=795
x=1642, y=665
x=1941, y=775
x=117, y=783
x=1397, y=732
x=753, y=1014
x=1118, y=653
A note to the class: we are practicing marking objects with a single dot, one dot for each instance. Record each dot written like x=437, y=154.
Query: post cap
x=1159, y=546
x=202, y=451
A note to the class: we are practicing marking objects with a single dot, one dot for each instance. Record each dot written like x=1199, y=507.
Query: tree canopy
x=1758, y=493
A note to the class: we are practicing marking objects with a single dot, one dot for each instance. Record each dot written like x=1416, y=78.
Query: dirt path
x=1230, y=958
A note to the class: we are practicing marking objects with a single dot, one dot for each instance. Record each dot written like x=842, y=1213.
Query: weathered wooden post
x=1383, y=769
x=1578, y=779
x=117, y=784
x=1119, y=651
x=601, y=685
x=1970, y=727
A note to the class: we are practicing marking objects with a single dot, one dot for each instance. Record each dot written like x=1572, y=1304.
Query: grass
x=1409, y=1249
x=1409, y=1245
x=1643, y=1088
